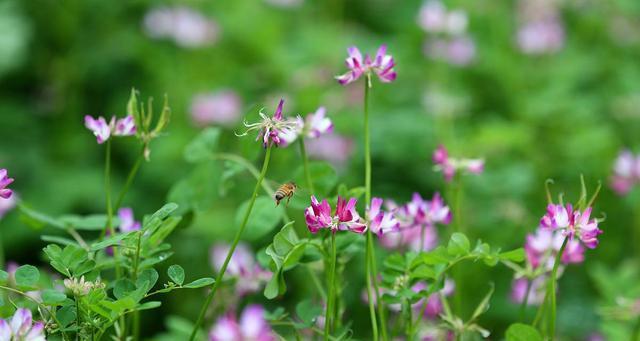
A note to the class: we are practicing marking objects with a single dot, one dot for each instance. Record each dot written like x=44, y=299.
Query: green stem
x=134, y=275
x=329, y=315
x=77, y=316
x=130, y=178
x=376, y=290
x=316, y=282
x=552, y=288
x=305, y=163
x=525, y=300
x=370, y=296
x=214, y=288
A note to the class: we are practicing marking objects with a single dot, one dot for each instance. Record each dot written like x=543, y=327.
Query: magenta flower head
x=21, y=327
x=381, y=222
x=127, y=220
x=318, y=216
x=252, y=327
x=626, y=172
x=242, y=266
x=7, y=205
x=116, y=127
x=312, y=127
x=542, y=246
x=271, y=129
x=536, y=292
x=572, y=223
x=382, y=65
x=5, y=181
x=449, y=165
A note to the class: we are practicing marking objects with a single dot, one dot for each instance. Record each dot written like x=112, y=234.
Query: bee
x=286, y=190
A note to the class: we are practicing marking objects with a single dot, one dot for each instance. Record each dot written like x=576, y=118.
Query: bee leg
x=277, y=203
x=288, y=199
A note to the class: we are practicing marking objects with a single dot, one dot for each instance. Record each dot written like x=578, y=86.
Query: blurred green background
x=565, y=106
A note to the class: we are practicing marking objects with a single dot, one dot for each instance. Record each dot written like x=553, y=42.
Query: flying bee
x=286, y=190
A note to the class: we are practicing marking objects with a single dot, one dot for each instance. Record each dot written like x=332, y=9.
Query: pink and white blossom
x=312, y=127
x=381, y=65
x=185, y=26
x=542, y=246
x=271, y=129
x=127, y=220
x=541, y=36
x=125, y=126
x=381, y=222
x=242, y=266
x=346, y=218
x=252, y=326
x=334, y=148
x=117, y=127
x=572, y=223
x=449, y=165
x=7, y=205
x=5, y=180
x=536, y=291
x=217, y=108
x=626, y=172
x=21, y=327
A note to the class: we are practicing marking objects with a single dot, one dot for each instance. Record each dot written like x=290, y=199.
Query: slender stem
x=130, y=178
x=78, y=238
x=77, y=315
x=134, y=275
x=376, y=290
x=329, y=315
x=317, y=284
x=457, y=227
x=552, y=288
x=214, y=288
x=370, y=295
x=1, y=253
x=40, y=305
x=422, y=231
x=305, y=163
x=525, y=299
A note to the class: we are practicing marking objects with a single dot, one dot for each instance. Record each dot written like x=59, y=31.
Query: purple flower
x=536, y=292
x=541, y=249
x=270, y=129
x=381, y=222
x=541, y=36
x=252, y=327
x=434, y=303
x=318, y=216
x=317, y=124
x=21, y=327
x=432, y=16
x=5, y=181
x=222, y=107
x=103, y=130
x=127, y=220
x=626, y=172
x=382, y=65
x=449, y=165
x=243, y=266
x=185, y=26
x=7, y=205
x=334, y=148
x=572, y=223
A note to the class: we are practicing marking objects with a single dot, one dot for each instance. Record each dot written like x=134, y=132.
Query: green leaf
x=149, y=305
x=522, y=332
x=176, y=273
x=516, y=255
x=96, y=222
x=66, y=315
x=265, y=216
x=4, y=277
x=51, y=297
x=27, y=276
x=483, y=305
x=83, y=268
x=111, y=241
x=308, y=311
x=123, y=287
x=458, y=244
x=423, y=272
x=199, y=283
x=148, y=278
x=155, y=220
x=203, y=146
x=39, y=220
x=437, y=256
x=285, y=252
x=57, y=239
x=323, y=174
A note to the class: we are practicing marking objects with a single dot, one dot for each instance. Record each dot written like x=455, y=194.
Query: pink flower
x=334, y=148
x=252, y=327
x=5, y=181
x=541, y=36
x=21, y=327
x=432, y=16
x=7, y=205
x=185, y=26
x=536, y=292
x=271, y=129
x=382, y=65
x=381, y=222
x=243, y=266
x=542, y=247
x=434, y=303
x=626, y=172
x=222, y=107
x=317, y=124
x=449, y=165
x=572, y=223
x=127, y=220
x=318, y=216
x=103, y=130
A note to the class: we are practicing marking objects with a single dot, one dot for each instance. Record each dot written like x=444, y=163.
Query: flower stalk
x=305, y=163
x=330, y=310
x=236, y=239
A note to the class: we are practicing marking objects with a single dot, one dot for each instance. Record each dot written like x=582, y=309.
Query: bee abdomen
x=279, y=195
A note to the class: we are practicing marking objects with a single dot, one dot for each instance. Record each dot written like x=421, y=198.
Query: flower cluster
x=573, y=223
x=271, y=129
x=251, y=327
x=117, y=127
x=432, y=306
x=626, y=172
x=382, y=65
x=220, y=108
x=334, y=148
x=417, y=220
x=313, y=126
x=81, y=287
x=127, y=220
x=243, y=266
x=318, y=216
x=449, y=165
x=21, y=327
x=5, y=181
x=450, y=41
x=181, y=24
x=381, y=222
x=542, y=247
x=536, y=288
x=541, y=30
